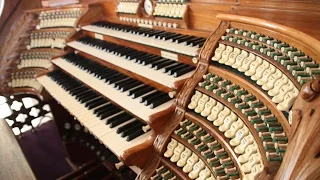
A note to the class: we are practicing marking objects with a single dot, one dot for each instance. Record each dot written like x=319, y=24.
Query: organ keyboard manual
x=175, y=89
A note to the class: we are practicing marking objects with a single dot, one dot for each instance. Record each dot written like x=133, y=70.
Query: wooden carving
x=211, y=43
x=151, y=166
x=302, y=158
x=163, y=138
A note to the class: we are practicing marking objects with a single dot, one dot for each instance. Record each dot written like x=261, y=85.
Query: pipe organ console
x=172, y=95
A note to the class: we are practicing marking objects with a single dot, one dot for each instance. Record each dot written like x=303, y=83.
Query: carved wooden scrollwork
x=212, y=42
x=147, y=173
x=302, y=158
x=162, y=139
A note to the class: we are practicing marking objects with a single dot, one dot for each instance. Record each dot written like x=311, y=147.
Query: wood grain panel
x=305, y=20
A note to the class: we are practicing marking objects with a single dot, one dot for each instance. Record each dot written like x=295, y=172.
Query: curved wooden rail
x=243, y=118
x=310, y=45
x=214, y=132
x=149, y=170
x=256, y=92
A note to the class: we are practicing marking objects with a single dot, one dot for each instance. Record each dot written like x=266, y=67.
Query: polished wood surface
x=301, y=160
x=13, y=163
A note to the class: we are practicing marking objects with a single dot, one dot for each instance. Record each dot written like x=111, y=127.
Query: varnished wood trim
x=163, y=138
x=26, y=90
x=60, y=8
x=139, y=155
x=149, y=170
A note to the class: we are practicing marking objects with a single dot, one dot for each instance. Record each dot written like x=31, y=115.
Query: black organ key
x=151, y=99
x=173, y=66
x=164, y=64
x=101, y=108
x=95, y=101
x=124, y=127
x=142, y=92
x=120, y=120
x=135, y=134
x=132, y=129
x=162, y=60
x=151, y=60
x=184, y=39
x=134, y=90
x=107, y=111
x=183, y=71
x=116, y=117
x=130, y=86
x=90, y=98
x=112, y=111
x=149, y=95
x=120, y=83
x=174, y=69
x=157, y=102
